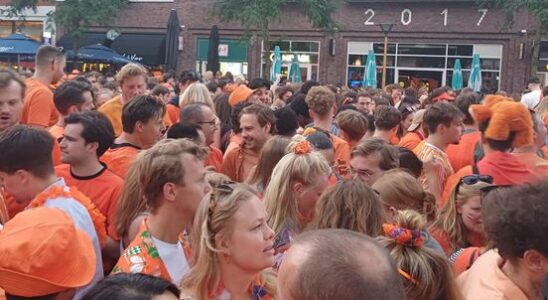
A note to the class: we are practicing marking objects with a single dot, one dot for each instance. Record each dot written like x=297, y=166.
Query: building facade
x=426, y=39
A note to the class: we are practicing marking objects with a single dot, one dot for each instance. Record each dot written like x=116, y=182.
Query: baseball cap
x=417, y=120
x=240, y=94
x=42, y=253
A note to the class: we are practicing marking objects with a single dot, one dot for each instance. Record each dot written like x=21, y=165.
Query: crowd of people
x=130, y=187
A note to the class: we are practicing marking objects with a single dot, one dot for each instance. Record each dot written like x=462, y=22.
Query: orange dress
x=104, y=189
x=38, y=108
x=119, y=157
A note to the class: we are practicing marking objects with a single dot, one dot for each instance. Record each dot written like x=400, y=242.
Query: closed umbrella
x=456, y=81
x=99, y=54
x=370, y=75
x=213, y=50
x=172, y=41
x=276, y=69
x=295, y=70
x=474, y=81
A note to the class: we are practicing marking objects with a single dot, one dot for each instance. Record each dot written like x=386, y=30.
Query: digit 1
x=444, y=13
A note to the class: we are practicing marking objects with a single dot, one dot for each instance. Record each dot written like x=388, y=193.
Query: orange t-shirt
x=104, y=189
x=235, y=141
x=239, y=163
x=535, y=162
x=342, y=152
x=38, y=108
x=462, y=154
x=173, y=113
x=112, y=109
x=119, y=157
x=452, y=182
x=57, y=132
x=410, y=140
x=425, y=151
x=215, y=158
x=13, y=207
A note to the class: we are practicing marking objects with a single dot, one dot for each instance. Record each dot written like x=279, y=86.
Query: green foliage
x=258, y=14
x=539, y=8
x=75, y=16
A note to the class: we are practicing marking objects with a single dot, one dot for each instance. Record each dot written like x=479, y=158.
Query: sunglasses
x=473, y=179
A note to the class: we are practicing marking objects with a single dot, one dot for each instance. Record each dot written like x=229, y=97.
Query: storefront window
x=424, y=64
x=232, y=56
x=32, y=29
x=308, y=54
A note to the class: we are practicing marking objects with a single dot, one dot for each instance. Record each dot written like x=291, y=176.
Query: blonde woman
x=459, y=223
x=233, y=247
x=426, y=274
x=399, y=190
x=351, y=205
x=196, y=93
x=295, y=186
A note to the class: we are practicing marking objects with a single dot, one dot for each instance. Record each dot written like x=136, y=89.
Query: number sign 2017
x=407, y=16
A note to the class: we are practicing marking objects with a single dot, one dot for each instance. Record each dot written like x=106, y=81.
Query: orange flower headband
x=303, y=147
x=403, y=236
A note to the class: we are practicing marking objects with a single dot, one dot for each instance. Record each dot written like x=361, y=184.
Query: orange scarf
x=73, y=193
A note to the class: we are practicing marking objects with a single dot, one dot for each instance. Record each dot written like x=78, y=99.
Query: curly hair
x=320, y=100
x=516, y=219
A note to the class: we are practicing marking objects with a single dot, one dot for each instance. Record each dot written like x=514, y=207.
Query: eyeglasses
x=211, y=123
x=225, y=188
x=361, y=173
x=473, y=179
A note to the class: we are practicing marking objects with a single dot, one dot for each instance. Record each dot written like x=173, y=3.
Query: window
x=308, y=54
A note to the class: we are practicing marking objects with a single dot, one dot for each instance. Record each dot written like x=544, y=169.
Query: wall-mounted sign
x=223, y=50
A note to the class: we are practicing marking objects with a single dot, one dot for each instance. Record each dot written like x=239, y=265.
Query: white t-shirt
x=532, y=99
x=173, y=257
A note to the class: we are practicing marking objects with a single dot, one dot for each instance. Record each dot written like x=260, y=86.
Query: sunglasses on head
x=473, y=179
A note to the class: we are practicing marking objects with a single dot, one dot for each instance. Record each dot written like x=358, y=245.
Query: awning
x=229, y=50
x=144, y=48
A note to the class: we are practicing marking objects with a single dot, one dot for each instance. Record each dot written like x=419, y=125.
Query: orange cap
x=240, y=94
x=43, y=253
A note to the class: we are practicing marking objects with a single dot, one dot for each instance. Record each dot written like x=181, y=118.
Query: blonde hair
x=449, y=220
x=350, y=205
x=196, y=93
x=215, y=216
x=215, y=179
x=280, y=201
x=131, y=70
x=401, y=190
x=431, y=275
x=147, y=175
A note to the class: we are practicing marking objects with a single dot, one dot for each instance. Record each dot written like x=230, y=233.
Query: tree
x=75, y=16
x=257, y=15
x=539, y=8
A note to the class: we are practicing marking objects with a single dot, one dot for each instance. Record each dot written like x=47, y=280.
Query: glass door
x=418, y=78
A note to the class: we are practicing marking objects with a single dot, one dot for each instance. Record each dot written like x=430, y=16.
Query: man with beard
x=257, y=123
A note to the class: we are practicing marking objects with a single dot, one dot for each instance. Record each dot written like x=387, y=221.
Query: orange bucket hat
x=43, y=253
x=240, y=94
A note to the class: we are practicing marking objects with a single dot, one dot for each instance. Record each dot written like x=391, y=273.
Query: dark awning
x=145, y=48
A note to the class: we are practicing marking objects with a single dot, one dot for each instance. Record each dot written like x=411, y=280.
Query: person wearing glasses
x=39, y=109
x=371, y=157
x=516, y=222
x=201, y=114
x=459, y=224
x=172, y=185
x=426, y=274
x=232, y=247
